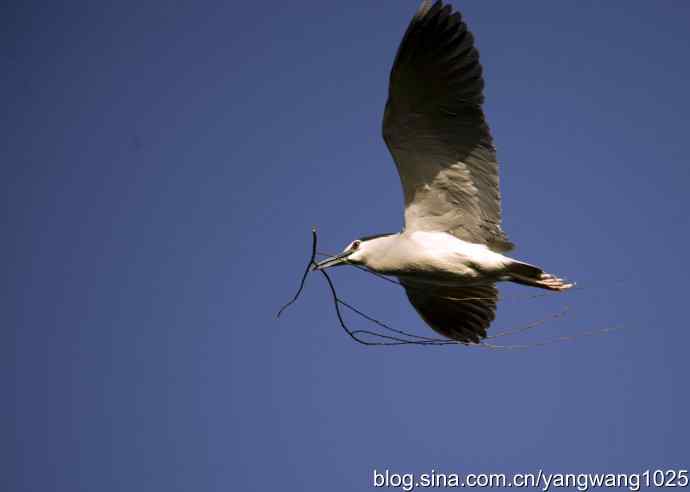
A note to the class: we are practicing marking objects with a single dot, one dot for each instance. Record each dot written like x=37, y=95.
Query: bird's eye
x=355, y=244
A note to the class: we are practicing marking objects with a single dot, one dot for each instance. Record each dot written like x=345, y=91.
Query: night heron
x=450, y=254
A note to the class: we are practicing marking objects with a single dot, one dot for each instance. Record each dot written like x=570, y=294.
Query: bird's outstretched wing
x=459, y=313
x=435, y=129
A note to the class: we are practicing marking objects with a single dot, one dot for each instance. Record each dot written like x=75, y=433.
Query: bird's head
x=357, y=252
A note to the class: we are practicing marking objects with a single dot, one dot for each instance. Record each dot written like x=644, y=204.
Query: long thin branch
x=392, y=340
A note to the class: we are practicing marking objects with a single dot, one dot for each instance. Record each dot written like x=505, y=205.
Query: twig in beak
x=401, y=337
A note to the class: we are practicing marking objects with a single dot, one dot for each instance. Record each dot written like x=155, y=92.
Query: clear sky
x=163, y=163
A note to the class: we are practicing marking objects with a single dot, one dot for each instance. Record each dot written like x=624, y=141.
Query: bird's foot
x=551, y=282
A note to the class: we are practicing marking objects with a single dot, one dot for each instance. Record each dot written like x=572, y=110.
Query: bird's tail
x=526, y=274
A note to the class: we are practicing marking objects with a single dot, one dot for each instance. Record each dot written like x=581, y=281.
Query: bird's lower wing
x=459, y=313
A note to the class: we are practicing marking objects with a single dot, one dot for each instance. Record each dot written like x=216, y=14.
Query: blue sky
x=163, y=165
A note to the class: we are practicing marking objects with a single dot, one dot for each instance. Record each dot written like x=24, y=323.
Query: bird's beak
x=340, y=259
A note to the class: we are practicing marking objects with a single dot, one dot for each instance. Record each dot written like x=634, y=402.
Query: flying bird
x=451, y=251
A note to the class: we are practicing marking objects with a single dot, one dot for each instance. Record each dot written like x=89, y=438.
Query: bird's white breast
x=439, y=255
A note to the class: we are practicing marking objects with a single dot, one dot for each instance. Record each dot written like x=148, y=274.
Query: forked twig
x=304, y=276
x=392, y=340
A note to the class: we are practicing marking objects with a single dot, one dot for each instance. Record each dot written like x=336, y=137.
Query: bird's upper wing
x=435, y=129
x=459, y=313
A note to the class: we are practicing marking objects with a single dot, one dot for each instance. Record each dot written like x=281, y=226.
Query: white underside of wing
x=444, y=203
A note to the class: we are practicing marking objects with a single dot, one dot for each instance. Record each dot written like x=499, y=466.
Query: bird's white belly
x=440, y=258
